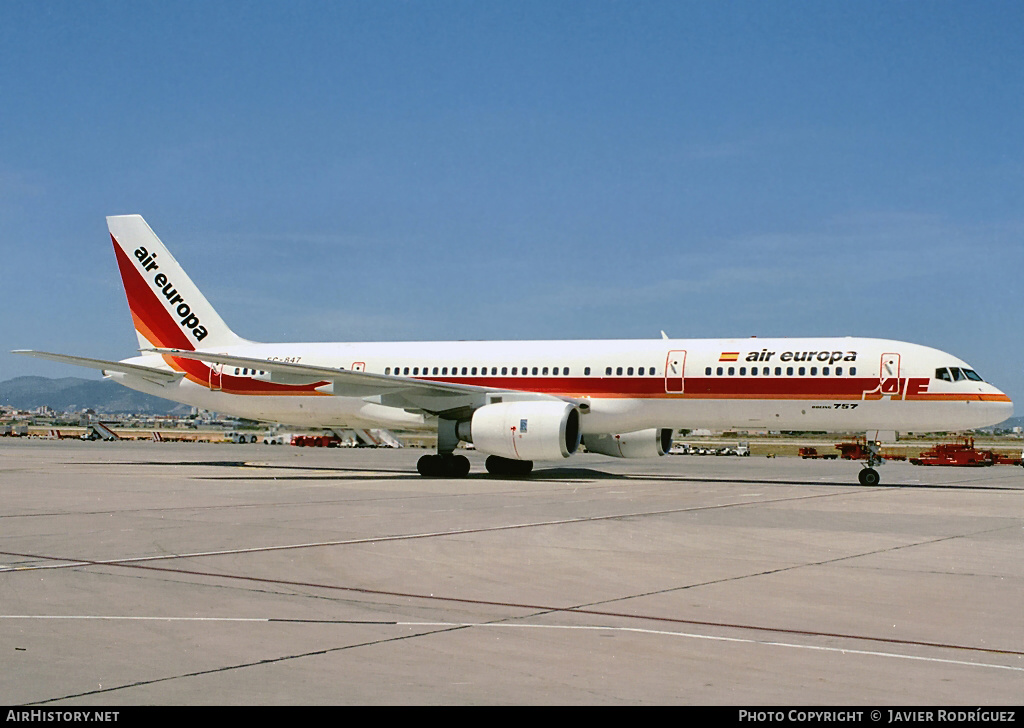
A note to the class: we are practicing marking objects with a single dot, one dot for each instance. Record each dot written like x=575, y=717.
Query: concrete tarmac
x=168, y=573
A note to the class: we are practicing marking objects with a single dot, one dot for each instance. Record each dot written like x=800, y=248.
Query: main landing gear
x=457, y=466
x=443, y=466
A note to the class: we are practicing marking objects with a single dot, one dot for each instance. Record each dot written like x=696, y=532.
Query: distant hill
x=1012, y=422
x=74, y=394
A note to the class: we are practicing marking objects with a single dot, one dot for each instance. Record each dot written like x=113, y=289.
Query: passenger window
x=814, y=371
x=629, y=371
x=515, y=371
x=544, y=371
x=237, y=371
x=465, y=371
x=778, y=371
x=387, y=370
x=618, y=371
x=732, y=371
x=707, y=371
x=789, y=371
x=535, y=371
x=586, y=371
x=802, y=371
x=720, y=371
x=652, y=371
x=607, y=371
x=565, y=371
x=853, y=371
x=743, y=371
x=839, y=371
x=824, y=370
x=753, y=371
x=504, y=371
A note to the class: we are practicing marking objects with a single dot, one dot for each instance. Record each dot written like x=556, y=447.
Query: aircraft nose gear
x=868, y=475
x=443, y=466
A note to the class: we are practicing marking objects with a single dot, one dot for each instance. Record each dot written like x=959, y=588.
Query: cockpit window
x=957, y=374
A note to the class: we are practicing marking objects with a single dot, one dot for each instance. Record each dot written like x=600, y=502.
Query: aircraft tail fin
x=167, y=308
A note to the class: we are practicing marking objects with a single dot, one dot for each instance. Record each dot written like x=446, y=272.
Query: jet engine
x=543, y=430
x=640, y=444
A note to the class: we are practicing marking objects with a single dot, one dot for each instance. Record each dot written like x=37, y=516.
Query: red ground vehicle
x=811, y=453
x=858, y=450
x=962, y=453
x=316, y=440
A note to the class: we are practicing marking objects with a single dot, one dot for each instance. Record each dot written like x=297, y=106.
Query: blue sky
x=482, y=170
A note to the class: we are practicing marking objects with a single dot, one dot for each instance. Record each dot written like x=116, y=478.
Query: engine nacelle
x=527, y=430
x=640, y=444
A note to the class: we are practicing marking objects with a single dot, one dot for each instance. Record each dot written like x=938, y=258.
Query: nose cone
x=997, y=406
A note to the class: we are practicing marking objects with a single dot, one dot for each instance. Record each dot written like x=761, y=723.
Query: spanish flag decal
x=729, y=356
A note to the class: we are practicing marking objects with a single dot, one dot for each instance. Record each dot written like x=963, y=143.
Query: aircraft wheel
x=443, y=466
x=869, y=477
x=429, y=466
x=506, y=466
x=459, y=466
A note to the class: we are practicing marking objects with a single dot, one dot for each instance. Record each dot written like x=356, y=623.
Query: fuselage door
x=216, y=371
x=889, y=374
x=674, y=365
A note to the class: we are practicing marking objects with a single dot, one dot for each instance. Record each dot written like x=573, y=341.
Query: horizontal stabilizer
x=307, y=372
x=160, y=376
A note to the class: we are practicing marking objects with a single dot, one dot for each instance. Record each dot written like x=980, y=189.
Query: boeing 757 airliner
x=520, y=401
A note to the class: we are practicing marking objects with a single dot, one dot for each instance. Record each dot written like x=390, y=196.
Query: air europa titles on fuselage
x=826, y=357
x=188, y=319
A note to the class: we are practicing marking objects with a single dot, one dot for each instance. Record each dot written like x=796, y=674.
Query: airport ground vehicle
x=321, y=440
x=962, y=453
x=520, y=401
x=241, y=438
x=811, y=453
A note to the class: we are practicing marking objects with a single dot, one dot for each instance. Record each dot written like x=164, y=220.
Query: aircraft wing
x=437, y=398
x=159, y=376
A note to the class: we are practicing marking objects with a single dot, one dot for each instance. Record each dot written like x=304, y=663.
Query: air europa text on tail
x=188, y=319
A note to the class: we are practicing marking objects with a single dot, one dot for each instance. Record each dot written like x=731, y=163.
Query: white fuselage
x=826, y=384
